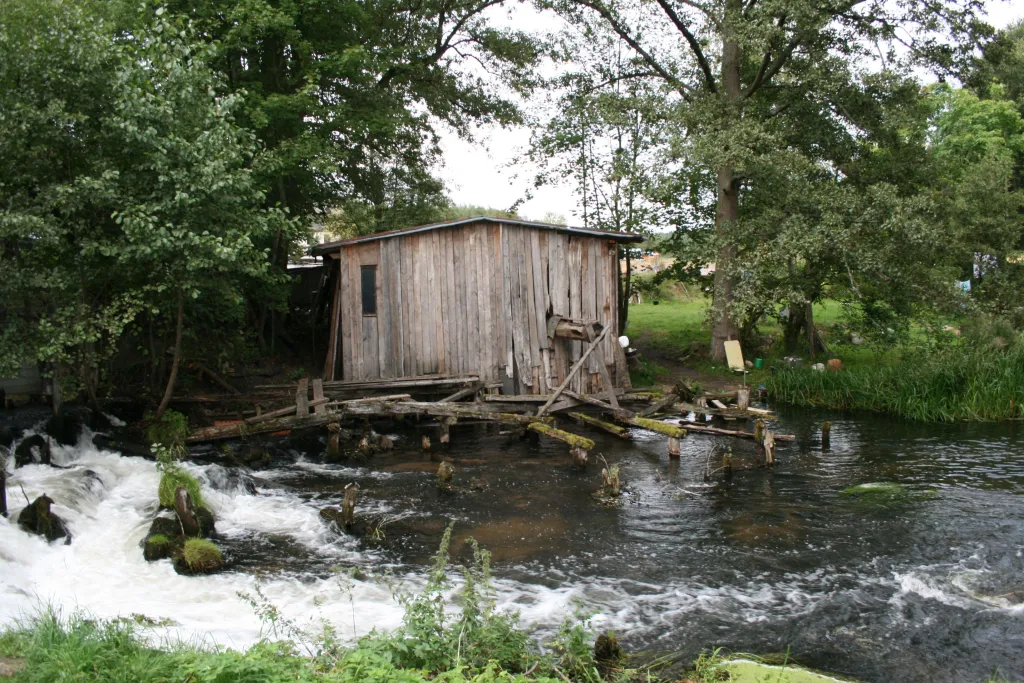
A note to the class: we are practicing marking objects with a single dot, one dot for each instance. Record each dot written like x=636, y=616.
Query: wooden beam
x=462, y=393
x=573, y=440
x=575, y=368
x=603, y=368
x=302, y=397
x=666, y=400
x=658, y=426
x=215, y=377
x=600, y=424
x=320, y=404
x=318, y=393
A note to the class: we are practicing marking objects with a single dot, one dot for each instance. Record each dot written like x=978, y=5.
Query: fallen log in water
x=573, y=440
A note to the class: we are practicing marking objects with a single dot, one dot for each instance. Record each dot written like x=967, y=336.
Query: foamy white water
x=109, y=501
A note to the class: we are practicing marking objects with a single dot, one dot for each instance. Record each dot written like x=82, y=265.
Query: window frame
x=363, y=270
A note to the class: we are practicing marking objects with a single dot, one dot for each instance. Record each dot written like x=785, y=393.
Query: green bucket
x=758, y=363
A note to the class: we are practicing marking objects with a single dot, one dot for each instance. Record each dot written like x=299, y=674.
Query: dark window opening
x=368, y=276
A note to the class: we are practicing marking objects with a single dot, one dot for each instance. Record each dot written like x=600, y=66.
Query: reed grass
x=955, y=383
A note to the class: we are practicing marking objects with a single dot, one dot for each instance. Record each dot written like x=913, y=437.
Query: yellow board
x=734, y=355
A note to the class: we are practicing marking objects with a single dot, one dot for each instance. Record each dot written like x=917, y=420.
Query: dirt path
x=673, y=369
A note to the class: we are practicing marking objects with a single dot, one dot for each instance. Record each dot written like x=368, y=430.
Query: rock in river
x=38, y=519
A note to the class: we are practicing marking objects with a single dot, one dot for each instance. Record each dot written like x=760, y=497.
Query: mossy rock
x=745, y=671
x=158, y=547
x=37, y=518
x=165, y=526
x=199, y=556
x=883, y=493
x=206, y=521
x=169, y=483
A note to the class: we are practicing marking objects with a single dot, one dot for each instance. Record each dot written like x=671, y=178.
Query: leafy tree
x=745, y=74
x=128, y=186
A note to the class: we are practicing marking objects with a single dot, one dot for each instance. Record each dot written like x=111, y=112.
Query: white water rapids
x=667, y=577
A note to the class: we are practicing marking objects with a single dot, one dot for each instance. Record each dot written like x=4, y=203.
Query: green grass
x=201, y=555
x=961, y=382
x=171, y=479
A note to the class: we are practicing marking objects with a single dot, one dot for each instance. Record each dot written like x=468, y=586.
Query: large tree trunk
x=169, y=391
x=724, y=326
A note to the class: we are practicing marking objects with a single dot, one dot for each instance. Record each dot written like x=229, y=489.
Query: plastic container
x=758, y=363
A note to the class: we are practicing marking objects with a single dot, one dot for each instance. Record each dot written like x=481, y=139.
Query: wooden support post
x=302, y=398
x=674, y=448
x=348, y=505
x=573, y=371
x=826, y=436
x=444, y=429
x=318, y=395
x=759, y=431
x=743, y=399
x=579, y=456
x=605, y=377
x=333, y=442
x=425, y=442
x=769, y=447
x=445, y=472
x=3, y=488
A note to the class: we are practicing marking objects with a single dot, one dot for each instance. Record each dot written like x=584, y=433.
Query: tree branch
x=692, y=40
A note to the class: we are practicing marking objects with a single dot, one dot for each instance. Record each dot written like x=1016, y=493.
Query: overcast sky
x=492, y=171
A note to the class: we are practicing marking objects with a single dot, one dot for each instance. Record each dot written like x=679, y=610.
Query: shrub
x=202, y=556
x=170, y=429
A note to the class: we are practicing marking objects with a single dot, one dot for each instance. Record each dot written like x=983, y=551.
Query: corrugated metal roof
x=328, y=247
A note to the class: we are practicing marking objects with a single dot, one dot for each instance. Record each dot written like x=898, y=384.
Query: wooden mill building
x=478, y=296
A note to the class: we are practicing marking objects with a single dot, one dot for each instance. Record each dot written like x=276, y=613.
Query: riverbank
x=978, y=377
x=52, y=648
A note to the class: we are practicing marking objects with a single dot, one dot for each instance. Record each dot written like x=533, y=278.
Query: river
x=900, y=588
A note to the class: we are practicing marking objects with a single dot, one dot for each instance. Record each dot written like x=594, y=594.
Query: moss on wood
x=600, y=424
x=657, y=426
x=568, y=437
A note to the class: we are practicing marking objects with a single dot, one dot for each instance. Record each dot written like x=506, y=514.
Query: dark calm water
x=882, y=588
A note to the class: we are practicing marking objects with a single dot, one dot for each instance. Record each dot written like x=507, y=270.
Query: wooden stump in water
x=3, y=488
x=333, y=442
x=674, y=447
x=444, y=429
x=769, y=447
x=579, y=456
x=743, y=398
x=425, y=442
x=610, y=482
x=759, y=430
x=445, y=472
x=727, y=464
x=186, y=512
x=826, y=436
x=348, y=505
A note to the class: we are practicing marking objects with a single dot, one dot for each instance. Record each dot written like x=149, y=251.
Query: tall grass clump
x=967, y=381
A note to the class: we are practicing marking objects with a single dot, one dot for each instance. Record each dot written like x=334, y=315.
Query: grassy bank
x=962, y=382
x=979, y=379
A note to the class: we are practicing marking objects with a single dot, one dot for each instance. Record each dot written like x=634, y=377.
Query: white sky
x=493, y=171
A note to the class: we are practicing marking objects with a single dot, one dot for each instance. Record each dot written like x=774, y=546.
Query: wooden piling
x=333, y=442
x=674, y=448
x=348, y=505
x=3, y=488
x=743, y=399
x=425, y=442
x=579, y=456
x=445, y=472
x=826, y=436
x=769, y=447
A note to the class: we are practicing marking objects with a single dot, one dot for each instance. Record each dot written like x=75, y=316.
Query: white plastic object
x=624, y=341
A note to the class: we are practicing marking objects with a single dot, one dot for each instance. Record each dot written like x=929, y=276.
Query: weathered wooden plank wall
x=476, y=299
